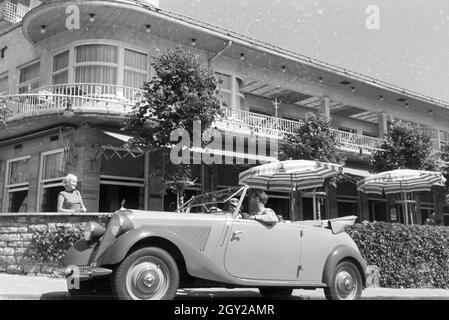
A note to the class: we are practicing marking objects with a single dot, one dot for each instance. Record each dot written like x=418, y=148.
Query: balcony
x=248, y=123
x=84, y=98
x=80, y=97
x=12, y=12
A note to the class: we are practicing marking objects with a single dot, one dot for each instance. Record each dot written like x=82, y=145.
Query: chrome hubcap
x=345, y=285
x=148, y=278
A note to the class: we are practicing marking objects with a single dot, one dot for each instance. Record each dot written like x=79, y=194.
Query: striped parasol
x=401, y=180
x=289, y=175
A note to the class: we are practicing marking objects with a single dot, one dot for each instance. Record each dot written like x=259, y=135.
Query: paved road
x=35, y=288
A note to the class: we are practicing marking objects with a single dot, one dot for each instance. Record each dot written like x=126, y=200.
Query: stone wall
x=16, y=235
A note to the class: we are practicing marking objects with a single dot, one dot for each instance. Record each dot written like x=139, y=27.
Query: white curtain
x=61, y=77
x=96, y=74
x=18, y=171
x=136, y=60
x=96, y=53
x=29, y=73
x=134, y=79
x=52, y=166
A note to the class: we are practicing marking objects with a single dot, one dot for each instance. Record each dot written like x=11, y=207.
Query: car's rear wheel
x=147, y=274
x=345, y=284
x=275, y=293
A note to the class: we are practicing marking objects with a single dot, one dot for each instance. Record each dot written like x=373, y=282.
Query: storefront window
x=377, y=210
x=17, y=183
x=347, y=206
x=122, y=179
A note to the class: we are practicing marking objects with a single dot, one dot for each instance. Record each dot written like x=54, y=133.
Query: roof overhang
x=182, y=29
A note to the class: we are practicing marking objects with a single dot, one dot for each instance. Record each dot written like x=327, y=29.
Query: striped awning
x=401, y=180
x=289, y=175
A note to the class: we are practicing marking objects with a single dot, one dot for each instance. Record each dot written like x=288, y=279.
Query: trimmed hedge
x=407, y=256
x=51, y=244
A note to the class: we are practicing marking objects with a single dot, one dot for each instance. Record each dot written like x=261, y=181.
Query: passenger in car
x=231, y=205
x=265, y=215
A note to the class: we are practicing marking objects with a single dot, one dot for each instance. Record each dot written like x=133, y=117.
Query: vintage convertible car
x=149, y=255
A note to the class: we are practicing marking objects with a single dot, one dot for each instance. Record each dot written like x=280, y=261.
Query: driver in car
x=265, y=215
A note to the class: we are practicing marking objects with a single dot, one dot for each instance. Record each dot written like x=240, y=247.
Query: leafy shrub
x=51, y=244
x=407, y=256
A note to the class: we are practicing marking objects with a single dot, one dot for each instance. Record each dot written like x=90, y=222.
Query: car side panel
x=198, y=264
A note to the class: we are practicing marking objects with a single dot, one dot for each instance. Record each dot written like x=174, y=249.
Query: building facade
x=70, y=72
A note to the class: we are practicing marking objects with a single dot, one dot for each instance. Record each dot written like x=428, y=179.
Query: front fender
x=338, y=254
x=118, y=250
x=79, y=254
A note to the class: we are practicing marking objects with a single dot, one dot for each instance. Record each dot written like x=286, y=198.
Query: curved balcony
x=68, y=99
x=117, y=101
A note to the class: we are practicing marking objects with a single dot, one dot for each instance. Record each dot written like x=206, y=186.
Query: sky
x=410, y=47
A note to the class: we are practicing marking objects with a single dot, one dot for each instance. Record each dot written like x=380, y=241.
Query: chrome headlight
x=93, y=231
x=120, y=224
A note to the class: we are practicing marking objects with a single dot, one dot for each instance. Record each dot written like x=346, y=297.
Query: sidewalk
x=17, y=287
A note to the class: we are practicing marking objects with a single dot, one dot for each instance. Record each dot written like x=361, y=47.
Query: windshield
x=206, y=201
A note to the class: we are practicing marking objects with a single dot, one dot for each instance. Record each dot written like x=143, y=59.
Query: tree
x=182, y=92
x=405, y=146
x=444, y=163
x=313, y=140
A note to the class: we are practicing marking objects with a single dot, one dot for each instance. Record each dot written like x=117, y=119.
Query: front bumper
x=83, y=273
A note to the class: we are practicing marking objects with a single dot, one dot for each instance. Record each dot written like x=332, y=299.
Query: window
x=61, y=68
x=347, y=206
x=122, y=179
x=4, y=85
x=377, y=209
x=29, y=78
x=96, y=64
x=230, y=90
x=50, y=179
x=135, y=69
x=17, y=183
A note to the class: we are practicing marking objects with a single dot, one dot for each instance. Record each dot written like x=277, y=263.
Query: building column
x=325, y=107
x=383, y=124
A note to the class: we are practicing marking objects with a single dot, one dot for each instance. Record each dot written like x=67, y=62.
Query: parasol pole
x=404, y=203
x=314, y=204
x=291, y=197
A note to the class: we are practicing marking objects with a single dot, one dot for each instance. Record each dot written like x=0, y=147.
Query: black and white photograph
x=236, y=153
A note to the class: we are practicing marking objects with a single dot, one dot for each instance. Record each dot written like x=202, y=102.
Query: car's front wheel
x=275, y=293
x=345, y=284
x=147, y=274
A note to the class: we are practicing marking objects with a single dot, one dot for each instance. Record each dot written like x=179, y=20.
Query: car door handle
x=236, y=233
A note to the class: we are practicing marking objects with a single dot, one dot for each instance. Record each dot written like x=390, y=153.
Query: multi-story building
x=70, y=71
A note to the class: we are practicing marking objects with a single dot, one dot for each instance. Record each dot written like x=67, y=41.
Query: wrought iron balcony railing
x=105, y=98
x=12, y=12
x=254, y=123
